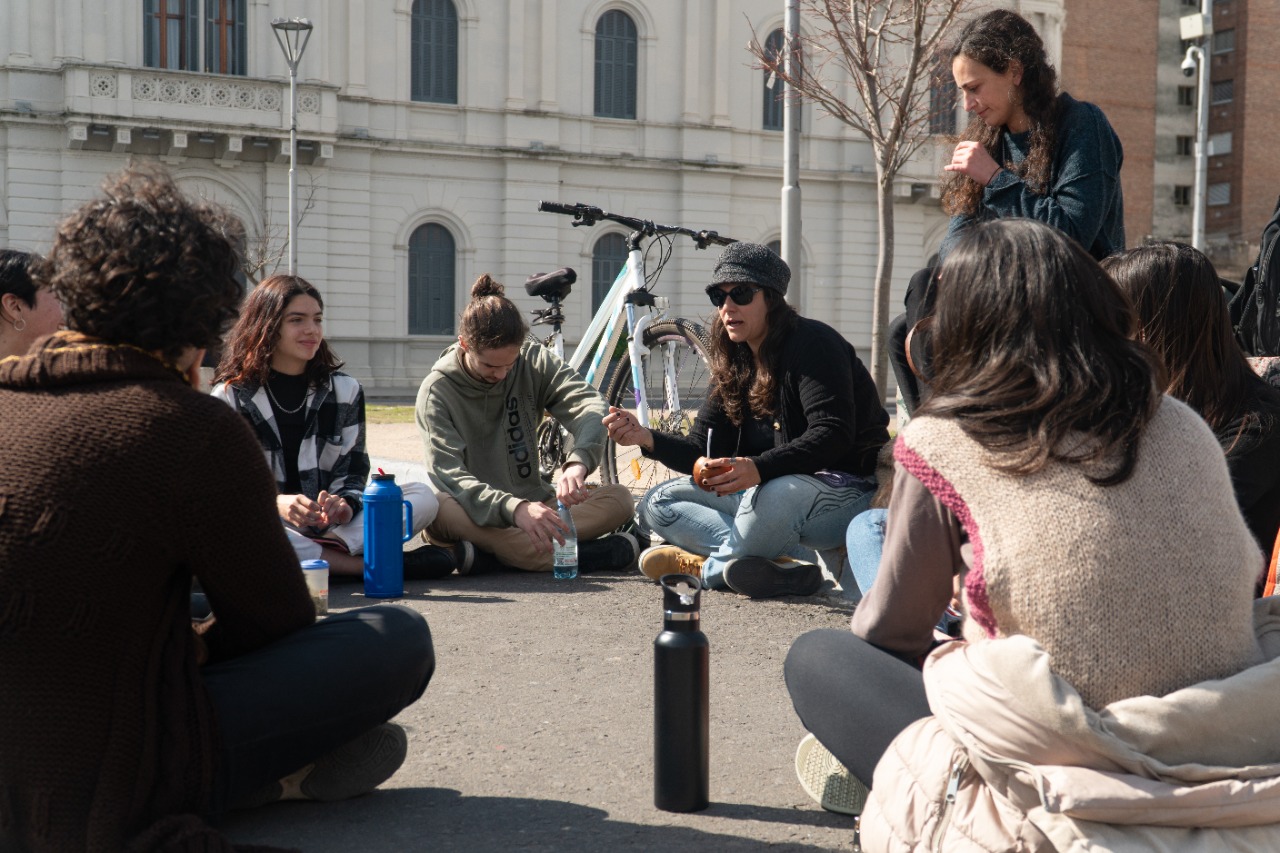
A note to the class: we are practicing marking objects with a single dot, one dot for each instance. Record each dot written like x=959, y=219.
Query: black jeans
x=286, y=705
x=853, y=697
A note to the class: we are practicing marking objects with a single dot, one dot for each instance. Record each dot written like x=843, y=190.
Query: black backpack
x=1255, y=307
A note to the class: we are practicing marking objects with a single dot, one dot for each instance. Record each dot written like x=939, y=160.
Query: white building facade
x=429, y=130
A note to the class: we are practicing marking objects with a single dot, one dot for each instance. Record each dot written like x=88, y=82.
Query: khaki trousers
x=605, y=509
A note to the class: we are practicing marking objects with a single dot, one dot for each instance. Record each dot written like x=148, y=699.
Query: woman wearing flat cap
x=795, y=423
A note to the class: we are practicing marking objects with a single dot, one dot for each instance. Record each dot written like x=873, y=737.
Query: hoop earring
x=18, y=328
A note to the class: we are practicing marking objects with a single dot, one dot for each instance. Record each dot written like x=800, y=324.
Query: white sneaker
x=825, y=779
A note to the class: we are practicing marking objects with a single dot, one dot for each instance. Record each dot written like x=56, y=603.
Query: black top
x=829, y=414
x=1253, y=458
x=289, y=393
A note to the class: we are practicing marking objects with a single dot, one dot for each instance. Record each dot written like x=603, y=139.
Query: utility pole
x=1196, y=61
x=791, y=251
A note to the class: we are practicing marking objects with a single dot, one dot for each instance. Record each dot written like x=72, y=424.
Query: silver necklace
x=282, y=409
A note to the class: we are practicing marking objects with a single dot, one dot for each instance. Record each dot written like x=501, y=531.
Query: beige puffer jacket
x=1013, y=760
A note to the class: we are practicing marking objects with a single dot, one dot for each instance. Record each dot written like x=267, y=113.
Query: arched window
x=617, y=47
x=434, y=52
x=607, y=258
x=432, y=266
x=774, y=246
x=773, y=85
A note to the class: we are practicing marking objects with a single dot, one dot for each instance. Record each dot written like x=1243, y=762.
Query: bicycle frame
x=599, y=338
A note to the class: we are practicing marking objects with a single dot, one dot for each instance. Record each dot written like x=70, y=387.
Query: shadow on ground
x=442, y=819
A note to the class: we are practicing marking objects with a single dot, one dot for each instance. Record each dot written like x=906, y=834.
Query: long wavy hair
x=998, y=39
x=1036, y=355
x=246, y=357
x=747, y=383
x=1183, y=312
x=491, y=320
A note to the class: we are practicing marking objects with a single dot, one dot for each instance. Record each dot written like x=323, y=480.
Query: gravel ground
x=536, y=730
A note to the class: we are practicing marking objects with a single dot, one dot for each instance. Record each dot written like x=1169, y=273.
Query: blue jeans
x=864, y=541
x=791, y=516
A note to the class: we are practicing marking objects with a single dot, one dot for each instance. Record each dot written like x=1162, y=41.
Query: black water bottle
x=681, y=697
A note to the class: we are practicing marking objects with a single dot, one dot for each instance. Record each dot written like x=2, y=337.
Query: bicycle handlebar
x=586, y=214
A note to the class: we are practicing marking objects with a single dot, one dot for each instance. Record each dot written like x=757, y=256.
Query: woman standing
x=1029, y=152
x=791, y=427
x=277, y=370
x=27, y=312
x=1183, y=313
x=1043, y=471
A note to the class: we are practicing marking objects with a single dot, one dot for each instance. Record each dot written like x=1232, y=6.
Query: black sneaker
x=349, y=771
x=612, y=553
x=756, y=577
x=464, y=557
x=428, y=563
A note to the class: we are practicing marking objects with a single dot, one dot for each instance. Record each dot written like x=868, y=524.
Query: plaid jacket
x=332, y=456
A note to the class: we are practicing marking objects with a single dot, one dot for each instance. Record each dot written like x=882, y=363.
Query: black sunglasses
x=741, y=295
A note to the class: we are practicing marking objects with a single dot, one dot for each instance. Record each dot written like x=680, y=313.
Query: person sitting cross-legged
x=795, y=424
x=478, y=411
x=279, y=373
x=121, y=727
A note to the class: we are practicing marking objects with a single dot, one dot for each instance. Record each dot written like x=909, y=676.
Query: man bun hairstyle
x=491, y=320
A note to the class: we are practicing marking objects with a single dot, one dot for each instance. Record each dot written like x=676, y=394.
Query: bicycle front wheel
x=673, y=369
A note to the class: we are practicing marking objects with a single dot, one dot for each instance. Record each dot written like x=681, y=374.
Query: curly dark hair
x=146, y=266
x=246, y=357
x=746, y=382
x=1033, y=345
x=491, y=320
x=998, y=39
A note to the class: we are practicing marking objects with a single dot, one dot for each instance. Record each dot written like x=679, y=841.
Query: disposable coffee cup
x=317, y=574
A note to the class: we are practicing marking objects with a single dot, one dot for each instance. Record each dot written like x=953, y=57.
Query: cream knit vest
x=1136, y=589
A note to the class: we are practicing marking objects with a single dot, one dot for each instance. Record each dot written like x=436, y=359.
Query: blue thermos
x=387, y=526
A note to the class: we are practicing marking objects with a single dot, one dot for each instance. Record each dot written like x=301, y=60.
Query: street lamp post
x=293, y=35
x=1199, y=28
x=1196, y=56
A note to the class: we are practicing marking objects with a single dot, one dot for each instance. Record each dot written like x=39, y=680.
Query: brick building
x=1124, y=55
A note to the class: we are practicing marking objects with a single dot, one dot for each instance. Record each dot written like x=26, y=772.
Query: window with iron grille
x=1218, y=195
x=171, y=35
x=1219, y=144
x=432, y=271
x=1223, y=91
x=607, y=257
x=1224, y=41
x=617, y=52
x=434, y=52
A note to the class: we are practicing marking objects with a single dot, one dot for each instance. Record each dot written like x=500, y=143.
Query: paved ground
x=536, y=731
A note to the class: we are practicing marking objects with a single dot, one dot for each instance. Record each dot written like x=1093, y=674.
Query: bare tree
x=263, y=253
x=888, y=51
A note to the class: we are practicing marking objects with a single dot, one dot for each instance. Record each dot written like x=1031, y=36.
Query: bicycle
x=662, y=374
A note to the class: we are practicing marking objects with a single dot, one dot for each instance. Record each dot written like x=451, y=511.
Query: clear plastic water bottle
x=566, y=556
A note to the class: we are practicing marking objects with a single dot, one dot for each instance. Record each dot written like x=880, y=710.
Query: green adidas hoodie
x=480, y=440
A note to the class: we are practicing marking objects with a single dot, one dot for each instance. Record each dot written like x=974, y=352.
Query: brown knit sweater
x=1097, y=574
x=118, y=484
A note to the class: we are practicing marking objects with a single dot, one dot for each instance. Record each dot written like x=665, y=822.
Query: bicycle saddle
x=551, y=285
